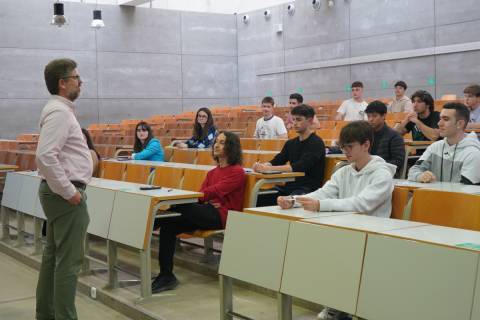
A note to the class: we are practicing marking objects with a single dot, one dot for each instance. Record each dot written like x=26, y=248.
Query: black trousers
x=194, y=216
x=270, y=199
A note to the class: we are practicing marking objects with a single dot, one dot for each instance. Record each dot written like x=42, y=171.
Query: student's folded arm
x=369, y=199
x=431, y=133
x=224, y=186
x=423, y=164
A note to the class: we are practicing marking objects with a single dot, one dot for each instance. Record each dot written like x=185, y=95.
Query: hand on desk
x=259, y=167
x=308, y=203
x=285, y=202
x=426, y=177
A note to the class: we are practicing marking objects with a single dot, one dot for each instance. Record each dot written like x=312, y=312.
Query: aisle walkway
x=17, y=295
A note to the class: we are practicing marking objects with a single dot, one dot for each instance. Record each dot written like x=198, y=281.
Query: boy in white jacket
x=365, y=185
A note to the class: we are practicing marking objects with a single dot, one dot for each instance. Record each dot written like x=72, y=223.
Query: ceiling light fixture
x=58, y=15
x=97, y=21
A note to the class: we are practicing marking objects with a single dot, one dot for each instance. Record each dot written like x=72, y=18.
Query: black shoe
x=164, y=283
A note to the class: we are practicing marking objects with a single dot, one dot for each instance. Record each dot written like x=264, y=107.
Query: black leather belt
x=77, y=184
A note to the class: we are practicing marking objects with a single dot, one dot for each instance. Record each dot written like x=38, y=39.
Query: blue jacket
x=153, y=151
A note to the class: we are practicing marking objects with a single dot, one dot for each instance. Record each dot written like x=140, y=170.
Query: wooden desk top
x=418, y=143
x=290, y=214
x=129, y=187
x=361, y=222
x=8, y=166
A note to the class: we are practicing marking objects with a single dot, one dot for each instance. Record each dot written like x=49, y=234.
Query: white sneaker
x=327, y=314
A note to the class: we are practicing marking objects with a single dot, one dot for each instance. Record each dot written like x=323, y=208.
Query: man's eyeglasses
x=77, y=77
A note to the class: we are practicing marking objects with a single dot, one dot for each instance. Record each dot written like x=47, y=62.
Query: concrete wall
x=431, y=44
x=159, y=61
x=144, y=62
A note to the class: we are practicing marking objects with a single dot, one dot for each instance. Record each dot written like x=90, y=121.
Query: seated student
x=93, y=152
x=364, y=186
x=204, y=131
x=294, y=100
x=146, y=147
x=400, y=103
x=305, y=153
x=423, y=121
x=270, y=126
x=354, y=108
x=387, y=143
x=456, y=158
x=472, y=101
x=223, y=189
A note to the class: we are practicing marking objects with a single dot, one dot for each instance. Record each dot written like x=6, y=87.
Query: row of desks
x=254, y=183
x=119, y=212
x=373, y=268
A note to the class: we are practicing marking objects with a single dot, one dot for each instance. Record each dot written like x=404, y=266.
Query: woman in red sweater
x=222, y=189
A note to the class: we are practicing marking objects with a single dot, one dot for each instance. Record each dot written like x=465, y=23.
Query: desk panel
x=476, y=299
x=29, y=195
x=323, y=265
x=129, y=219
x=100, y=206
x=11, y=193
x=405, y=279
x=254, y=249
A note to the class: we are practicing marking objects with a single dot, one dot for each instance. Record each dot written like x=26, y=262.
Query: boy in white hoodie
x=364, y=186
x=456, y=158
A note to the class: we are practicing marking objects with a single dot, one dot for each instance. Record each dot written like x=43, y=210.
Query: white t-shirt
x=353, y=110
x=270, y=129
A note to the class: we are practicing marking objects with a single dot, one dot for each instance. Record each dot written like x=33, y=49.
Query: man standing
x=400, y=103
x=65, y=164
x=270, y=126
x=387, y=143
x=353, y=109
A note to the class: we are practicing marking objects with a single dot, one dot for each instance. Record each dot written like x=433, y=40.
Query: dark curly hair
x=232, y=148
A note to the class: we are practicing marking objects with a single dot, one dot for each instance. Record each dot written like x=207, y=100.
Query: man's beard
x=72, y=96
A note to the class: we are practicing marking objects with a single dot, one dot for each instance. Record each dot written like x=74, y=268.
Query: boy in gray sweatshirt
x=455, y=158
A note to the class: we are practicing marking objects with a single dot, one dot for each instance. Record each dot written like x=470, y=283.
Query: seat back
x=137, y=173
x=271, y=144
x=450, y=209
x=205, y=157
x=249, y=159
x=112, y=170
x=184, y=155
x=193, y=179
x=168, y=177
